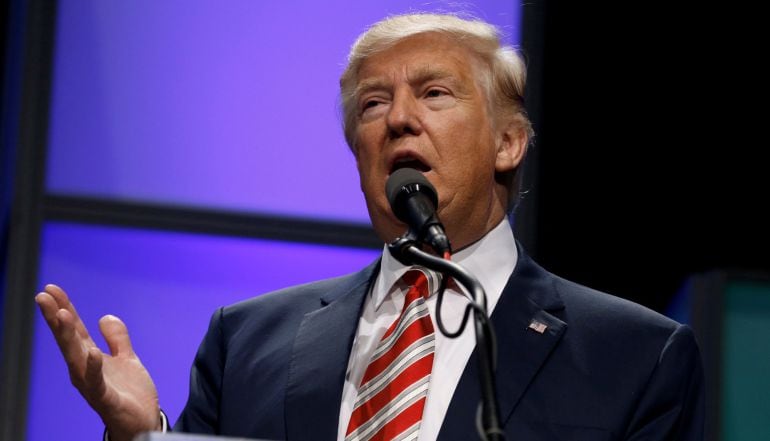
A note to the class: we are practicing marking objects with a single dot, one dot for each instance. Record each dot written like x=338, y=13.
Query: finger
x=72, y=346
x=63, y=300
x=48, y=308
x=116, y=335
x=93, y=376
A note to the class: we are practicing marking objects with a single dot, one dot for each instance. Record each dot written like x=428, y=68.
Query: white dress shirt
x=492, y=260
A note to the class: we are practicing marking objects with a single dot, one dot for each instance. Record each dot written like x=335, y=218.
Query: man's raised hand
x=116, y=385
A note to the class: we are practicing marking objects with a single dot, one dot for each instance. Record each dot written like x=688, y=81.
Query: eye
x=368, y=104
x=435, y=93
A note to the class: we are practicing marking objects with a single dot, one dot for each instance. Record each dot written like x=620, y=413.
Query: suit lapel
x=320, y=358
x=528, y=298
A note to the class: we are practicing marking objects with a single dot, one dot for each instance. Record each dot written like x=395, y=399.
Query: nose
x=403, y=116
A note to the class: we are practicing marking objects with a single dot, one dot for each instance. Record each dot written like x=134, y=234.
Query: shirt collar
x=484, y=259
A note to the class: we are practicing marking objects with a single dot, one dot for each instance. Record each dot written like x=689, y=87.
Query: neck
x=463, y=239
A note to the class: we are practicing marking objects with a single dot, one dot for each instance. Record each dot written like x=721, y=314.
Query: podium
x=157, y=436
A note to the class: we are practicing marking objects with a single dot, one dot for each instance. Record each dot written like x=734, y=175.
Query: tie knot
x=417, y=282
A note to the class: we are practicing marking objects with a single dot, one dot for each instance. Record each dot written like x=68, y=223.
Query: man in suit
x=441, y=95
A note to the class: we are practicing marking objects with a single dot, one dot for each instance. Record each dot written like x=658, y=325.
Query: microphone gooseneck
x=414, y=201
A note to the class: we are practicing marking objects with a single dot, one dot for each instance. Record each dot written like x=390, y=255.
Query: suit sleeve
x=672, y=405
x=201, y=413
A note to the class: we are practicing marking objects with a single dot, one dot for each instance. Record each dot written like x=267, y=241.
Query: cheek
x=369, y=173
x=366, y=145
x=366, y=165
x=369, y=152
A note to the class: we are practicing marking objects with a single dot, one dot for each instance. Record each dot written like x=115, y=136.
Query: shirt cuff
x=163, y=426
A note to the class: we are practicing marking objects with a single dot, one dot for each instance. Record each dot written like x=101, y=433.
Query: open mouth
x=409, y=162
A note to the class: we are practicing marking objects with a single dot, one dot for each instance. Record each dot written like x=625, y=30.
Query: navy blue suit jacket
x=273, y=366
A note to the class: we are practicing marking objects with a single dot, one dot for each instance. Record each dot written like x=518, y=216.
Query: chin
x=387, y=228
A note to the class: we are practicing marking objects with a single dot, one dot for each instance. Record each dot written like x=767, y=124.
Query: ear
x=512, y=145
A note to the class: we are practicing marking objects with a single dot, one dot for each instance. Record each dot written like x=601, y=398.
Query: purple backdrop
x=165, y=286
x=222, y=104
x=228, y=105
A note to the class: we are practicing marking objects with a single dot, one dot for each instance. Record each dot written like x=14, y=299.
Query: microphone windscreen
x=405, y=181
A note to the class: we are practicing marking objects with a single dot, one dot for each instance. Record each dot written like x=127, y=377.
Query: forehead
x=429, y=54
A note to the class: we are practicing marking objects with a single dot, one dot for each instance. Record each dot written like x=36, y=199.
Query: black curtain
x=650, y=145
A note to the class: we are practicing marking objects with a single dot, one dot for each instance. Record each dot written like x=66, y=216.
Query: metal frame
x=201, y=220
x=36, y=47
x=533, y=24
x=707, y=310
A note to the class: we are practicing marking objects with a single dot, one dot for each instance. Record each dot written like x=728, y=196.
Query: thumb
x=116, y=335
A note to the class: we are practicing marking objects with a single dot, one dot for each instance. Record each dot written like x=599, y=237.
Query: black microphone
x=414, y=200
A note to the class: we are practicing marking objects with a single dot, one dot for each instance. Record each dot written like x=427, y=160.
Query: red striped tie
x=392, y=394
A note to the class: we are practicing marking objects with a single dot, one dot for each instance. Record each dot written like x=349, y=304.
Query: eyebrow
x=369, y=84
x=428, y=73
x=421, y=75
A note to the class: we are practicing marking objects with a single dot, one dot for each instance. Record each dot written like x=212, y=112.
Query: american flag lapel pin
x=538, y=326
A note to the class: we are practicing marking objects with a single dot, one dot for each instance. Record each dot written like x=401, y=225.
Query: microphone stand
x=404, y=249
